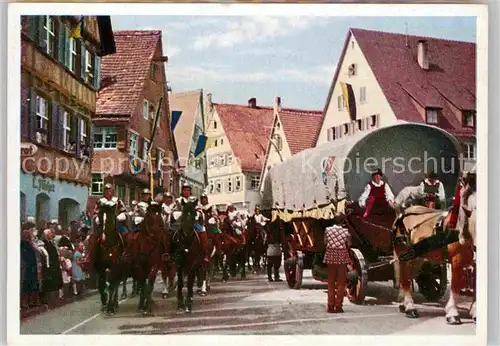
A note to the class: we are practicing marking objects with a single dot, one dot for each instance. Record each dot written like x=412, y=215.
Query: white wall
x=376, y=102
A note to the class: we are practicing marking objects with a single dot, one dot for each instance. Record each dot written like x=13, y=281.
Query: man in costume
x=377, y=193
x=211, y=220
x=433, y=192
x=168, y=208
x=260, y=222
x=234, y=219
x=108, y=200
x=141, y=208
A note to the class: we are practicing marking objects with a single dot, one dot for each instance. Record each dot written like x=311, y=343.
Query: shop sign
x=43, y=185
x=28, y=149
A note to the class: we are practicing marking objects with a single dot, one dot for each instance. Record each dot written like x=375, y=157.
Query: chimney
x=423, y=55
x=277, y=104
x=209, y=105
x=252, y=103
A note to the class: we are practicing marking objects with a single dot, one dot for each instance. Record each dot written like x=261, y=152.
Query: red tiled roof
x=248, y=131
x=451, y=76
x=300, y=127
x=123, y=74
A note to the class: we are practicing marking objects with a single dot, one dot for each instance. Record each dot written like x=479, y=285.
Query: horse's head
x=153, y=217
x=188, y=217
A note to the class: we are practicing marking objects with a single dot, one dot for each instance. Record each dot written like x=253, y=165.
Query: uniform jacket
x=121, y=210
x=436, y=189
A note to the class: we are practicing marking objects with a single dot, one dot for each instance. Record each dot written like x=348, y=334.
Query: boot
x=277, y=274
x=204, y=245
x=269, y=272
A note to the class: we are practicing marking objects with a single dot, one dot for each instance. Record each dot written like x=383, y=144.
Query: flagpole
x=155, y=126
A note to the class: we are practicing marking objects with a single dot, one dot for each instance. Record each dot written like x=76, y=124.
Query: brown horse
x=234, y=247
x=187, y=252
x=148, y=249
x=417, y=225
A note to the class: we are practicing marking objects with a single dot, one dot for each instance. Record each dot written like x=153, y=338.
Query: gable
x=375, y=102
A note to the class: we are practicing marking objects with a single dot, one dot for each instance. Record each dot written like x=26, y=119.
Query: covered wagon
x=305, y=191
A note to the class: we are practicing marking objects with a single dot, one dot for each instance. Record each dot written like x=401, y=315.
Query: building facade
x=126, y=107
x=396, y=77
x=60, y=69
x=293, y=130
x=239, y=135
x=187, y=110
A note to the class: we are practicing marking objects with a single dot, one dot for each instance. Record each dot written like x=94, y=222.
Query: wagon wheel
x=432, y=281
x=293, y=271
x=357, y=280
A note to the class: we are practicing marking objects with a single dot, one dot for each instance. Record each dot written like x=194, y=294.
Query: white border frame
x=341, y=10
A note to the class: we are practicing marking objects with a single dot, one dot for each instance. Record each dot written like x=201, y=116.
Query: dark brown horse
x=148, y=249
x=187, y=252
x=256, y=242
x=108, y=261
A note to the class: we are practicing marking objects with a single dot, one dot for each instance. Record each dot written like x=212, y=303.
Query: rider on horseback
x=198, y=227
x=141, y=209
x=433, y=191
x=234, y=219
x=108, y=200
x=211, y=223
x=377, y=193
x=168, y=207
x=260, y=222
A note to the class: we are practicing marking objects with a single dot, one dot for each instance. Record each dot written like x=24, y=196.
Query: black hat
x=378, y=171
x=432, y=175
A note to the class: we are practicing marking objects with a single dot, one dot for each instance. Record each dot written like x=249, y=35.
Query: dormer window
x=469, y=118
x=431, y=116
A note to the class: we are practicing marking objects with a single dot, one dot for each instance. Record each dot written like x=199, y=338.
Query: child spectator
x=66, y=269
x=337, y=242
x=78, y=275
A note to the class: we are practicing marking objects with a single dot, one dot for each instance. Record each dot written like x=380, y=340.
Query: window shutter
x=78, y=129
x=121, y=138
x=340, y=131
x=32, y=115
x=33, y=27
x=63, y=44
x=83, y=61
x=25, y=112
x=60, y=126
x=97, y=72
x=329, y=134
x=54, y=128
x=40, y=31
x=90, y=134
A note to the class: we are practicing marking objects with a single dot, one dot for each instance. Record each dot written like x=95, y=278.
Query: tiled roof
x=123, y=74
x=451, y=77
x=248, y=131
x=300, y=127
x=187, y=102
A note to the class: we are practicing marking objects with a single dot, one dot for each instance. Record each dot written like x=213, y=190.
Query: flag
x=76, y=32
x=202, y=144
x=349, y=99
x=176, y=115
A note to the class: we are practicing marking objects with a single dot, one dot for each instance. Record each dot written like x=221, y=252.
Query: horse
x=108, y=261
x=415, y=228
x=234, y=246
x=187, y=253
x=148, y=248
x=256, y=243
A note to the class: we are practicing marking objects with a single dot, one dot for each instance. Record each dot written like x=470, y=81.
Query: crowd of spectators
x=51, y=258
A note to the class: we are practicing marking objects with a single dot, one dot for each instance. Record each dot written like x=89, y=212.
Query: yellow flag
x=76, y=32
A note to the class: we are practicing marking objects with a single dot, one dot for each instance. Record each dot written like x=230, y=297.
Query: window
x=42, y=119
x=215, y=125
x=362, y=95
x=221, y=141
x=72, y=54
x=161, y=156
x=373, y=120
x=145, y=109
x=222, y=160
x=50, y=38
x=215, y=143
x=134, y=151
x=212, y=162
x=218, y=187
x=120, y=191
x=229, y=185
x=359, y=124
x=431, y=116
x=237, y=184
x=255, y=182
x=89, y=67
x=97, y=184
x=152, y=75
x=105, y=138
x=469, y=118
x=211, y=187
x=340, y=102
x=67, y=134
x=278, y=142
x=145, y=148
x=152, y=114
x=83, y=132
x=278, y=125
x=469, y=151
x=352, y=71
x=197, y=163
x=352, y=44
x=346, y=129
x=229, y=159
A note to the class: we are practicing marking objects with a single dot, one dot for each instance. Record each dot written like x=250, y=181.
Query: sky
x=236, y=58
